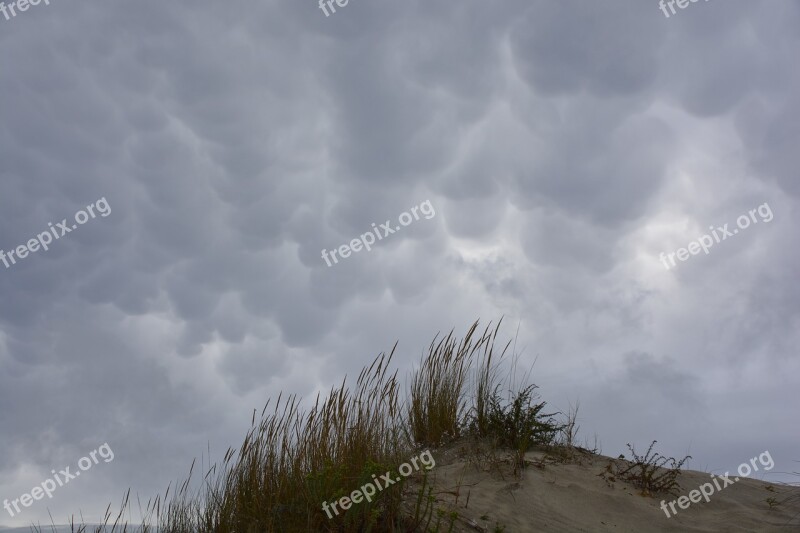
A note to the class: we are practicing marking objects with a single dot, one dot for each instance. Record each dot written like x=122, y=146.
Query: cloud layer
x=564, y=146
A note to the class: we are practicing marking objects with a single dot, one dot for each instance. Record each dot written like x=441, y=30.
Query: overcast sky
x=563, y=146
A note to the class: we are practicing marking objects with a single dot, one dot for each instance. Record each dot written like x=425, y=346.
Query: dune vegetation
x=464, y=392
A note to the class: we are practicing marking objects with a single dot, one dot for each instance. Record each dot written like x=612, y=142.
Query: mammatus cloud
x=564, y=146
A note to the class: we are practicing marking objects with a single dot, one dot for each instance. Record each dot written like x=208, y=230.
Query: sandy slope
x=553, y=496
x=571, y=497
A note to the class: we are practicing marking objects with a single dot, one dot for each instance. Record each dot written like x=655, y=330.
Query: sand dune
x=571, y=497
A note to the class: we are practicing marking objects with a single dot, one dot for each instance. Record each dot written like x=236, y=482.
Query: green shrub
x=519, y=424
x=651, y=473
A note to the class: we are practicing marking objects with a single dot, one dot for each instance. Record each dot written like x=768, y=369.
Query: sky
x=209, y=154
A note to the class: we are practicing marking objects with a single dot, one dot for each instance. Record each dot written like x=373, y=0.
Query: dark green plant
x=519, y=424
x=772, y=502
x=651, y=473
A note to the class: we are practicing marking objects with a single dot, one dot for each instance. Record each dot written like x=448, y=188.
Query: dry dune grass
x=487, y=433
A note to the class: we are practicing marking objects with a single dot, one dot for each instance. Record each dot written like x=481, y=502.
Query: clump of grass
x=651, y=473
x=568, y=434
x=292, y=459
x=485, y=386
x=437, y=408
x=564, y=448
x=516, y=421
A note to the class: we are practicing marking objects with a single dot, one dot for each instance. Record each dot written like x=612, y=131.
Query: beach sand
x=554, y=496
